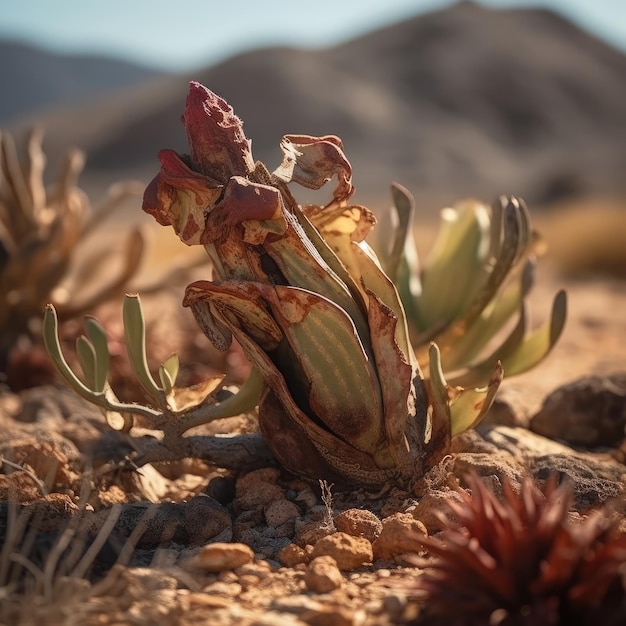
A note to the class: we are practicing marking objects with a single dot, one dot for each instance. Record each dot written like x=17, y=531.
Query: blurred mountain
x=464, y=101
x=33, y=79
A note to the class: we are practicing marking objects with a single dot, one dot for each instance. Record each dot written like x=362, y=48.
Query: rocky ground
x=87, y=540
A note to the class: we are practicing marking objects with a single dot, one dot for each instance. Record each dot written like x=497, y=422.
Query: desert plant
x=521, y=560
x=339, y=393
x=473, y=285
x=40, y=232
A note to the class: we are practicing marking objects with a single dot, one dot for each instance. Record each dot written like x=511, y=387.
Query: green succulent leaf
x=539, y=343
x=376, y=282
x=87, y=358
x=168, y=372
x=98, y=339
x=403, y=241
x=344, y=391
x=438, y=385
x=303, y=264
x=401, y=263
x=521, y=350
x=463, y=348
x=468, y=406
x=135, y=336
x=454, y=270
x=51, y=342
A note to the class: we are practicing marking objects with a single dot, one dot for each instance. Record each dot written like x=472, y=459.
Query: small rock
x=520, y=442
x=589, y=412
x=205, y=519
x=292, y=555
x=248, y=519
x=432, y=507
x=400, y=534
x=259, y=495
x=249, y=581
x=206, y=600
x=252, y=479
x=349, y=552
x=280, y=512
x=306, y=497
x=359, y=523
x=594, y=482
x=221, y=557
x=284, y=531
x=322, y=575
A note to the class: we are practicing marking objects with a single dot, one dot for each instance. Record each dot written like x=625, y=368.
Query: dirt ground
x=187, y=543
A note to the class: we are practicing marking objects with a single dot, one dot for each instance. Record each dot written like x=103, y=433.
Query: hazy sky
x=184, y=34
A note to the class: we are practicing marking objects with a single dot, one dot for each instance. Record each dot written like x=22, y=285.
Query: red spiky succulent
x=522, y=560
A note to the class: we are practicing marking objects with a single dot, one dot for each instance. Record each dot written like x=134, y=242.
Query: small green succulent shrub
x=472, y=287
x=338, y=389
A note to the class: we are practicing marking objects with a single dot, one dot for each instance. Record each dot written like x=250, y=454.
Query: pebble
x=322, y=575
x=588, y=412
x=359, y=523
x=433, y=509
x=258, y=489
x=280, y=512
x=220, y=557
x=400, y=534
x=261, y=494
x=292, y=555
x=252, y=479
x=349, y=552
